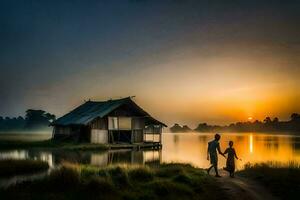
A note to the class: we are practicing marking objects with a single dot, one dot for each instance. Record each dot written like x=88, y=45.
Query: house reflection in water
x=149, y=157
x=54, y=158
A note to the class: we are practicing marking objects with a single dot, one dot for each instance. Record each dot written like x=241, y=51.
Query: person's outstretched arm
x=236, y=155
x=226, y=151
x=208, y=152
x=219, y=150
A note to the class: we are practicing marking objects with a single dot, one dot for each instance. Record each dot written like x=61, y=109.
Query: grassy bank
x=167, y=181
x=17, y=167
x=281, y=180
x=50, y=144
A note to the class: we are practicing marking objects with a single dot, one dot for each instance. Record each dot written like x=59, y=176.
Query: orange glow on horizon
x=216, y=90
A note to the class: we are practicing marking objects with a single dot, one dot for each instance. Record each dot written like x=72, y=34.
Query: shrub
x=141, y=174
x=64, y=178
x=103, y=173
x=169, y=171
x=165, y=187
x=183, y=178
x=87, y=171
x=100, y=185
x=280, y=178
x=119, y=177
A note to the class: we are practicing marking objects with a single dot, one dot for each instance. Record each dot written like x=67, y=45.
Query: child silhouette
x=230, y=163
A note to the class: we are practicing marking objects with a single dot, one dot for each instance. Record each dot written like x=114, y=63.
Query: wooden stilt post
x=118, y=129
x=160, y=132
x=153, y=135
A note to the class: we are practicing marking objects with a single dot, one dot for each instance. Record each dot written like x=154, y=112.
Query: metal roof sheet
x=90, y=110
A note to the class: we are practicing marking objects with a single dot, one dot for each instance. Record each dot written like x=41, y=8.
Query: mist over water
x=37, y=135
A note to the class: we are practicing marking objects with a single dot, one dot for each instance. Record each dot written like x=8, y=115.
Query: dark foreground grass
x=50, y=144
x=167, y=181
x=281, y=180
x=17, y=167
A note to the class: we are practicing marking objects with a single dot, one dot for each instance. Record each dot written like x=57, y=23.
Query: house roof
x=90, y=110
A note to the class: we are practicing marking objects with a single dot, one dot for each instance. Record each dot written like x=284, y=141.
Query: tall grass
x=11, y=167
x=71, y=181
x=273, y=164
x=282, y=179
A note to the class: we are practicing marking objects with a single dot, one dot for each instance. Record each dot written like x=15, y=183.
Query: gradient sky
x=186, y=61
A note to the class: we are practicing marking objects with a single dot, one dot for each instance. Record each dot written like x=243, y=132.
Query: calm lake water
x=179, y=147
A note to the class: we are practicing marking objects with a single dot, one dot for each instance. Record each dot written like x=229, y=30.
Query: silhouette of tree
x=267, y=120
x=20, y=118
x=38, y=118
x=185, y=128
x=50, y=117
x=266, y=125
x=275, y=120
x=176, y=128
x=295, y=117
x=34, y=119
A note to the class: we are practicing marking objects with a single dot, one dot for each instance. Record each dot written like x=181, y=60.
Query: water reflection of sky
x=180, y=147
x=251, y=147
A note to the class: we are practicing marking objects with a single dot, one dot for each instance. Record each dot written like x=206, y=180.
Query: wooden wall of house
x=99, y=123
x=99, y=132
x=153, y=129
x=126, y=123
x=138, y=123
x=99, y=136
x=62, y=130
x=137, y=136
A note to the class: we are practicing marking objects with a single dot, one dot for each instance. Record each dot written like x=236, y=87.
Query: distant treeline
x=33, y=120
x=176, y=128
x=267, y=124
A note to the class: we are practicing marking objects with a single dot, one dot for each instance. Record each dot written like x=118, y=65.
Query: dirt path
x=241, y=188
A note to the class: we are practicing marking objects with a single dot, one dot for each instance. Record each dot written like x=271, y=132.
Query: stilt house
x=112, y=121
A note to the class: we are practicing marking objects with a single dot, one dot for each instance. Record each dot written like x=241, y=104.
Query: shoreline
x=50, y=144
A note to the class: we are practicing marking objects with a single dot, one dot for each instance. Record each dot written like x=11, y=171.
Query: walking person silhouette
x=230, y=163
x=213, y=147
